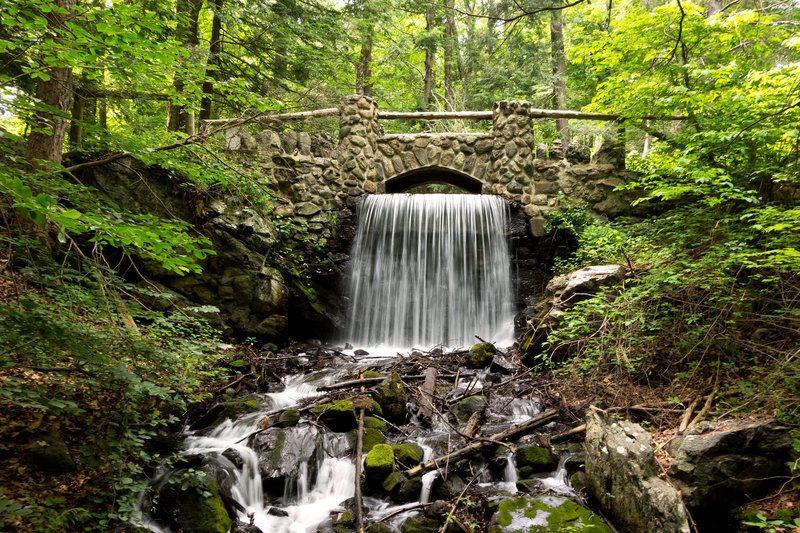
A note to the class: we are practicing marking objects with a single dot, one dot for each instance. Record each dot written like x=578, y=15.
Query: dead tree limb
x=477, y=446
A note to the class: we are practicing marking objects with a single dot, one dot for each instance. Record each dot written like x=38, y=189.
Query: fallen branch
x=428, y=393
x=567, y=434
x=476, y=447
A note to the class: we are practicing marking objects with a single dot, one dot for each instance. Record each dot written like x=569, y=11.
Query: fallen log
x=475, y=447
x=567, y=434
x=372, y=381
x=428, y=393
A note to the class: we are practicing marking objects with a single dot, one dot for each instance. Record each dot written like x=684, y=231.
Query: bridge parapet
x=314, y=177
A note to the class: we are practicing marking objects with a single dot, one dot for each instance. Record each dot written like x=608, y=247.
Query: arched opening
x=433, y=175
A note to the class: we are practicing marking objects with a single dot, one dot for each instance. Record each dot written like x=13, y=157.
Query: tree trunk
x=49, y=123
x=212, y=72
x=364, y=68
x=76, y=121
x=430, y=58
x=559, y=71
x=449, y=47
x=187, y=13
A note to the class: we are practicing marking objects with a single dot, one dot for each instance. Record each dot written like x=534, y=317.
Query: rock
x=337, y=416
x=391, y=396
x=225, y=410
x=369, y=440
x=49, y=453
x=409, y=454
x=578, y=481
x=568, y=289
x=543, y=514
x=472, y=404
x=276, y=511
x=233, y=455
x=379, y=527
x=375, y=423
x=578, y=153
x=534, y=459
x=502, y=365
x=480, y=355
x=393, y=481
x=283, y=452
x=447, y=489
x=288, y=418
x=621, y=475
x=241, y=527
x=721, y=465
x=379, y=464
x=420, y=525
x=408, y=490
x=189, y=509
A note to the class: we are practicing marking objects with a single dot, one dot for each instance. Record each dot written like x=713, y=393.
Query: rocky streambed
x=461, y=441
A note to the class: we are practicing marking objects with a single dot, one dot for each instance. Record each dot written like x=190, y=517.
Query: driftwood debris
x=477, y=446
x=371, y=381
x=428, y=393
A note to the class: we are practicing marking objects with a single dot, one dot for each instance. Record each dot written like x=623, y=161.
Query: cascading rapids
x=430, y=270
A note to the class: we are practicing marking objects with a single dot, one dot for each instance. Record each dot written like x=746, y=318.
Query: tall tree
x=187, y=14
x=559, y=70
x=54, y=93
x=449, y=55
x=212, y=65
x=430, y=56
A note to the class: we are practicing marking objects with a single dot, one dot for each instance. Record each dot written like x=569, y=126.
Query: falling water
x=430, y=269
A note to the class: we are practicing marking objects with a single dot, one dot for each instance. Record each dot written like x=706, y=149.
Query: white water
x=430, y=270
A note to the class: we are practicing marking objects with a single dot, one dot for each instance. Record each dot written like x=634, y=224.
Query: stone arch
x=433, y=174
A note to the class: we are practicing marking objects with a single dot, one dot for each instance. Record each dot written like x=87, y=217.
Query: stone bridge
x=313, y=176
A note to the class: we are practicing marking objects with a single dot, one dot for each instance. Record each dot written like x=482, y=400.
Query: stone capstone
x=621, y=476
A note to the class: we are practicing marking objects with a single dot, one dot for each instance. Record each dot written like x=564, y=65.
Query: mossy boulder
x=481, y=355
x=379, y=464
x=198, y=507
x=409, y=454
x=338, y=416
x=420, y=525
x=472, y=404
x=391, y=396
x=447, y=489
x=372, y=374
x=534, y=459
x=376, y=423
x=345, y=519
x=407, y=491
x=578, y=481
x=370, y=439
x=288, y=418
x=393, y=481
x=544, y=514
x=379, y=527
x=225, y=410
x=49, y=453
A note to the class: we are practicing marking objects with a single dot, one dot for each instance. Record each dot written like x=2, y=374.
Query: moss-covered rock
x=481, y=355
x=369, y=374
x=371, y=438
x=376, y=423
x=198, y=507
x=409, y=454
x=393, y=481
x=408, y=491
x=420, y=525
x=447, y=489
x=472, y=404
x=578, y=480
x=288, y=418
x=345, y=519
x=379, y=464
x=534, y=459
x=391, y=396
x=337, y=416
x=544, y=514
x=379, y=527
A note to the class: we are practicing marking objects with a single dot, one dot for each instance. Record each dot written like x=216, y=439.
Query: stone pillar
x=359, y=130
x=514, y=150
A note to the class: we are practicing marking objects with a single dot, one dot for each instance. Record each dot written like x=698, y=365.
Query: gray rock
x=49, y=453
x=621, y=475
x=723, y=464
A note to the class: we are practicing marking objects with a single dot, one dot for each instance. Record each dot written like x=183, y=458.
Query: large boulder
x=379, y=464
x=542, y=514
x=534, y=459
x=191, y=504
x=621, y=475
x=283, y=452
x=719, y=465
x=391, y=396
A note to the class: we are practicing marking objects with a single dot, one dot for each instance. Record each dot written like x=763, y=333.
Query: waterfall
x=430, y=270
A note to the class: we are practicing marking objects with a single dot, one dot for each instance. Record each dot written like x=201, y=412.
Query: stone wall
x=314, y=178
